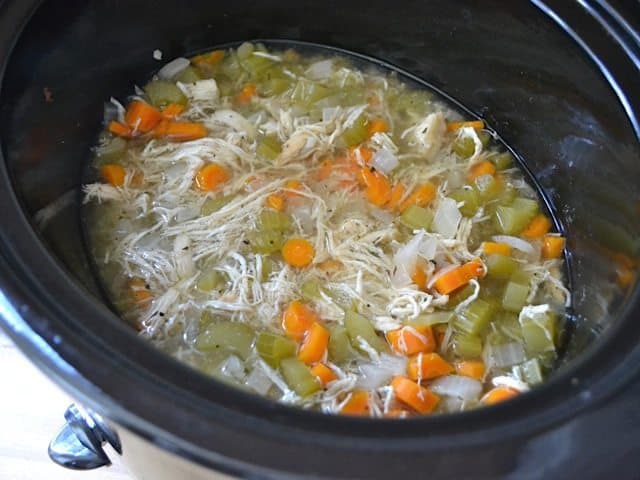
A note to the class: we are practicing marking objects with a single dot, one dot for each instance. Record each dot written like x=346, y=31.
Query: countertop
x=31, y=413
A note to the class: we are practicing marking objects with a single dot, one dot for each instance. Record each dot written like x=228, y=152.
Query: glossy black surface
x=506, y=61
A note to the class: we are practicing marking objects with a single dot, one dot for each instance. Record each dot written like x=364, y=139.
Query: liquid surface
x=324, y=235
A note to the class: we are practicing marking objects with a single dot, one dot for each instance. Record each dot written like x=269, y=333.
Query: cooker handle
x=79, y=443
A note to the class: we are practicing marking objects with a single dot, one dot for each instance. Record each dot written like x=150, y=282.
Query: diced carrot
x=291, y=186
x=297, y=319
x=537, y=228
x=211, y=58
x=419, y=278
x=421, y=196
x=456, y=278
x=179, y=131
x=358, y=403
x=314, y=344
x=298, y=252
x=378, y=188
x=498, y=394
x=490, y=248
x=142, y=117
x=120, y=129
x=425, y=366
x=482, y=168
x=552, y=246
x=363, y=153
x=377, y=125
x=417, y=397
x=172, y=110
x=470, y=368
x=411, y=340
x=113, y=174
x=455, y=126
x=139, y=291
x=247, y=93
x=275, y=201
x=397, y=192
x=325, y=170
x=324, y=373
x=210, y=177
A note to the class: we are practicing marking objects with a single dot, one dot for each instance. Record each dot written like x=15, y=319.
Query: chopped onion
x=457, y=386
x=428, y=248
x=515, y=242
x=377, y=374
x=504, y=355
x=447, y=218
x=173, y=68
x=382, y=215
x=120, y=109
x=232, y=367
x=111, y=113
x=258, y=380
x=329, y=113
x=320, y=70
x=384, y=160
x=510, y=382
x=405, y=259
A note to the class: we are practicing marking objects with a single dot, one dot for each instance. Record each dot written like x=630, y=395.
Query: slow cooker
x=558, y=79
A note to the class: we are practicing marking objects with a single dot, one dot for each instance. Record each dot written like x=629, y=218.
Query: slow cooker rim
x=32, y=339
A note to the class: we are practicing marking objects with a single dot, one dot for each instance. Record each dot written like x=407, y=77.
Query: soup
x=326, y=235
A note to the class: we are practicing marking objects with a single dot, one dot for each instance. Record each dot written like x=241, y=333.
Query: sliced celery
x=311, y=290
x=265, y=241
x=428, y=319
x=111, y=149
x=339, y=348
x=466, y=346
x=162, y=93
x=210, y=280
x=268, y=266
x=274, y=220
x=532, y=371
x=470, y=198
x=460, y=295
x=212, y=205
x=500, y=266
x=273, y=348
x=527, y=206
x=475, y=317
x=511, y=220
x=464, y=146
x=485, y=138
x=206, y=319
x=503, y=160
x=236, y=337
x=359, y=327
x=188, y=75
x=269, y=147
x=416, y=217
x=515, y=296
x=245, y=50
x=256, y=65
x=357, y=132
x=539, y=333
x=299, y=377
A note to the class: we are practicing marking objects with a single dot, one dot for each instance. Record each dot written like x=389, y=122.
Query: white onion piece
x=457, y=386
x=258, y=380
x=200, y=91
x=173, y=68
x=232, y=367
x=515, y=242
x=320, y=70
x=187, y=213
x=329, y=113
x=447, y=218
x=384, y=160
x=382, y=216
x=120, y=108
x=110, y=113
x=510, y=382
x=428, y=248
x=504, y=355
x=376, y=374
x=405, y=260
x=236, y=121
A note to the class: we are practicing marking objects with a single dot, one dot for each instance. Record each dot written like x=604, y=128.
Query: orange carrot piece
x=120, y=129
x=417, y=397
x=172, y=110
x=179, y=131
x=419, y=278
x=378, y=188
x=490, y=248
x=113, y=174
x=358, y=404
x=314, y=344
x=455, y=126
x=537, y=228
x=411, y=340
x=210, y=177
x=378, y=125
x=456, y=278
x=482, y=168
x=139, y=291
x=397, y=192
x=275, y=201
x=325, y=170
x=498, y=394
x=364, y=153
x=292, y=185
x=142, y=117
x=425, y=366
x=297, y=319
x=323, y=373
x=247, y=93
x=421, y=196
x=298, y=252
x=470, y=368
x=552, y=246
x=211, y=58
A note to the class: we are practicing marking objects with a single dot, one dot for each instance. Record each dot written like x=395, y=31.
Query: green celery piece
x=515, y=296
x=210, y=361
x=311, y=290
x=485, y=138
x=272, y=348
x=527, y=206
x=428, y=319
x=111, y=149
x=357, y=132
x=416, y=217
x=460, y=295
x=206, y=319
x=539, y=333
x=265, y=241
x=188, y=75
x=500, y=266
x=339, y=348
x=210, y=280
x=162, y=93
x=299, y=377
x=267, y=267
x=212, y=205
x=256, y=65
x=466, y=346
x=464, y=146
x=503, y=160
x=236, y=337
x=474, y=318
x=245, y=50
x=359, y=326
x=511, y=220
x=470, y=198
x=274, y=220
x=269, y=147
x=532, y=371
